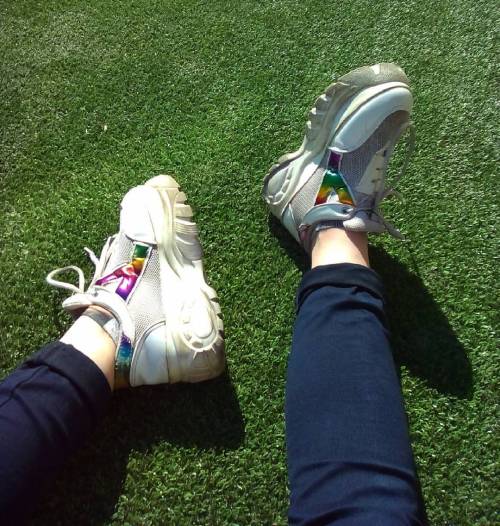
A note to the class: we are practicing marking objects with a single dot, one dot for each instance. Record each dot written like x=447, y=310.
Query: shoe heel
x=197, y=350
x=195, y=333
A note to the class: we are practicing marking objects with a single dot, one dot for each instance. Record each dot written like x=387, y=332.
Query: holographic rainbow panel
x=128, y=273
x=123, y=362
x=127, y=276
x=334, y=182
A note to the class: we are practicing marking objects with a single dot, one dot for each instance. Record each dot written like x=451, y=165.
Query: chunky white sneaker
x=150, y=277
x=337, y=176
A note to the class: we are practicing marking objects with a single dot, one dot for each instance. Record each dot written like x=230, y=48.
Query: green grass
x=97, y=97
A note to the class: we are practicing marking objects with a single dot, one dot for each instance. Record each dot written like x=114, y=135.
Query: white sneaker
x=150, y=277
x=337, y=176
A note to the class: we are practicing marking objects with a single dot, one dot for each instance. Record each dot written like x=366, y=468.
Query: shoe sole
x=194, y=328
x=325, y=120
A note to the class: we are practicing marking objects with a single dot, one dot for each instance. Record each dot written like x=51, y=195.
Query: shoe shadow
x=422, y=339
x=288, y=244
x=204, y=416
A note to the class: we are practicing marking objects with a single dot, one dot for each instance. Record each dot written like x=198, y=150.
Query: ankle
x=87, y=336
x=336, y=245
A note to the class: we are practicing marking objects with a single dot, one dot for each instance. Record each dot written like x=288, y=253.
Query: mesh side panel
x=122, y=253
x=306, y=197
x=355, y=163
x=145, y=302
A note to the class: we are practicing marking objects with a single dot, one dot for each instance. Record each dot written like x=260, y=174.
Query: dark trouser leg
x=47, y=408
x=349, y=457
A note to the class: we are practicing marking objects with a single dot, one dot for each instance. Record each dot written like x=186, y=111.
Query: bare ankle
x=88, y=337
x=336, y=245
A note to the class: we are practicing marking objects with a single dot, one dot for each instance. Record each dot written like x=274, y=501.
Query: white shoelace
x=99, y=264
x=383, y=192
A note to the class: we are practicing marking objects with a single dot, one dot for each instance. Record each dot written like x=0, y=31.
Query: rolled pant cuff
x=340, y=275
x=80, y=370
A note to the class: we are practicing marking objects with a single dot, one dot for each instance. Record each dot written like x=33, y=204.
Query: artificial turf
x=97, y=97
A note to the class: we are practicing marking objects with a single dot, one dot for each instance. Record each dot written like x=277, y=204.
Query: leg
x=47, y=408
x=349, y=456
x=51, y=402
x=348, y=449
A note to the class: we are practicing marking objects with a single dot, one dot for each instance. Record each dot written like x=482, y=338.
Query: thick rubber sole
x=194, y=327
x=325, y=120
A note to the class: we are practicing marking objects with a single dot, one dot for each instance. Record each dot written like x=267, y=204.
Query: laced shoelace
x=384, y=192
x=99, y=264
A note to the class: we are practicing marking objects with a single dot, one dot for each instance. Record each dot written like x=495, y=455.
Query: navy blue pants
x=349, y=457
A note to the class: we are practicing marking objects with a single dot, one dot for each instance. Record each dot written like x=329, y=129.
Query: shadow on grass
x=203, y=416
x=291, y=247
x=207, y=416
x=422, y=339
